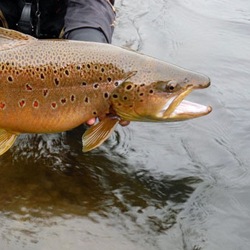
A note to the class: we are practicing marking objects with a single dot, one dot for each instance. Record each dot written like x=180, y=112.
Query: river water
x=174, y=186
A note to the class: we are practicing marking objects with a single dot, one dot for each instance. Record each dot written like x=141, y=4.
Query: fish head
x=160, y=101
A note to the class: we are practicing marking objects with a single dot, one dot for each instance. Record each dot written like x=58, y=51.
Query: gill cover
x=141, y=102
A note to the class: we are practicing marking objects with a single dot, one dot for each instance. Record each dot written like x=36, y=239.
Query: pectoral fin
x=98, y=133
x=6, y=140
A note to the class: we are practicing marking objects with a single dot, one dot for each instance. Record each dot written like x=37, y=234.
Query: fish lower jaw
x=182, y=111
x=187, y=110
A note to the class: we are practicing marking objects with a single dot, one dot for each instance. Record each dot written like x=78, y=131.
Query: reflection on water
x=151, y=186
x=38, y=192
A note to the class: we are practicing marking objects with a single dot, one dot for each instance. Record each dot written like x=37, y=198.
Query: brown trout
x=49, y=86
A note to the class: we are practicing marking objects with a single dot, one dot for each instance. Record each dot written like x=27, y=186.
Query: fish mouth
x=177, y=108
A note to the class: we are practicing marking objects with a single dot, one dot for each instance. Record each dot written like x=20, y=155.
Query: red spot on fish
x=28, y=87
x=21, y=103
x=35, y=104
x=2, y=105
x=45, y=92
x=53, y=105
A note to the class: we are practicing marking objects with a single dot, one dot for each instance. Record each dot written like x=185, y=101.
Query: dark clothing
x=87, y=34
x=92, y=14
x=95, y=18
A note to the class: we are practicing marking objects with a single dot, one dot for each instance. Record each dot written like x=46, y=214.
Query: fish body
x=49, y=86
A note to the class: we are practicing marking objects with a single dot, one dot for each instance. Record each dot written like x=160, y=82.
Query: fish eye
x=172, y=86
x=167, y=86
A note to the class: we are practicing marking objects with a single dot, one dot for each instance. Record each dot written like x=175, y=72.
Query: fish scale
x=52, y=86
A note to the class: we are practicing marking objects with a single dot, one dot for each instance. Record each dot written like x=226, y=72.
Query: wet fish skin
x=51, y=86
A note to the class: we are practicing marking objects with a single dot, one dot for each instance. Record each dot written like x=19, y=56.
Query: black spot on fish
x=66, y=72
x=73, y=98
x=106, y=95
x=84, y=83
x=151, y=91
x=57, y=82
x=86, y=100
x=125, y=98
x=141, y=94
x=10, y=78
x=94, y=113
x=42, y=76
x=96, y=86
x=116, y=83
x=78, y=67
x=109, y=79
x=115, y=96
x=142, y=85
x=45, y=92
x=88, y=65
x=129, y=87
x=102, y=70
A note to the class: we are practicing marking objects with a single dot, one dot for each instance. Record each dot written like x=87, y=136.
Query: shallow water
x=151, y=186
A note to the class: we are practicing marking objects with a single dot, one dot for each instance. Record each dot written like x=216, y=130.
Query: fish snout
x=196, y=81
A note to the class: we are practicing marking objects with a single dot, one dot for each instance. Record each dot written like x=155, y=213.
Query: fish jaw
x=189, y=110
x=177, y=109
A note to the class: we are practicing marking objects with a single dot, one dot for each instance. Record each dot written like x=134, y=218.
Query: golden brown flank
x=49, y=86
